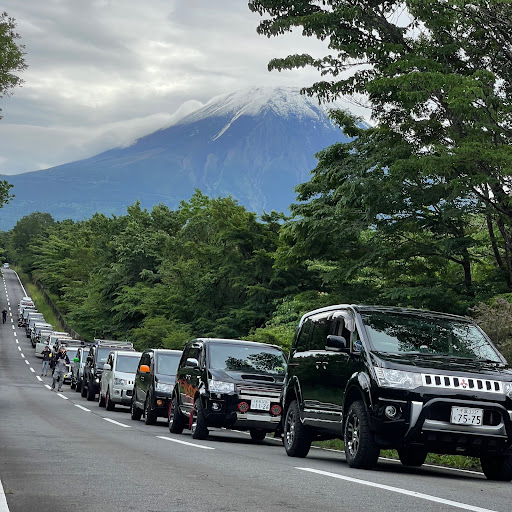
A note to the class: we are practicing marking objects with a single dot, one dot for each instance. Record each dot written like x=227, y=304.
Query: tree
x=438, y=81
x=12, y=56
x=11, y=61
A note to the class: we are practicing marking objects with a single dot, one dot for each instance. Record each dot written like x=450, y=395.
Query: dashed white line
x=39, y=378
x=116, y=423
x=26, y=361
x=47, y=386
x=15, y=334
x=12, y=327
x=83, y=408
x=398, y=490
x=22, y=354
x=32, y=370
x=62, y=396
x=185, y=442
x=19, y=348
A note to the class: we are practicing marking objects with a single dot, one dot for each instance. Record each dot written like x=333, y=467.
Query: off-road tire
x=198, y=425
x=361, y=450
x=297, y=438
x=177, y=421
x=101, y=401
x=135, y=412
x=257, y=435
x=91, y=395
x=83, y=390
x=149, y=415
x=497, y=467
x=412, y=457
x=109, y=405
x=78, y=386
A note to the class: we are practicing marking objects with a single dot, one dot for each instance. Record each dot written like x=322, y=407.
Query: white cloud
x=103, y=71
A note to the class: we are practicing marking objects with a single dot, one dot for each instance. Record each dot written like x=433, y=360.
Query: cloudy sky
x=103, y=72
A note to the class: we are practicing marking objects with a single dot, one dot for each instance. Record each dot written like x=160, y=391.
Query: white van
x=37, y=329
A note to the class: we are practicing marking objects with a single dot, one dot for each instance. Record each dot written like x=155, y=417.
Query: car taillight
x=276, y=410
x=243, y=406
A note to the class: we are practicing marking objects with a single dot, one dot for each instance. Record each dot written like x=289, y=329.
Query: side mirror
x=106, y=366
x=192, y=362
x=336, y=343
x=76, y=360
x=144, y=368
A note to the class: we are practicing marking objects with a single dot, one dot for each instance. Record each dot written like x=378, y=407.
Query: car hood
x=442, y=364
x=253, y=377
x=124, y=375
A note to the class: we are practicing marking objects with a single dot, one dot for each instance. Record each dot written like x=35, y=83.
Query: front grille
x=262, y=391
x=460, y=383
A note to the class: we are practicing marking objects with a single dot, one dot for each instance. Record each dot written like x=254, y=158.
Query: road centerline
x=186, y=443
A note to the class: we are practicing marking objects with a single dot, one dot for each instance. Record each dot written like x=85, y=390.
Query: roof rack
x=112, y=343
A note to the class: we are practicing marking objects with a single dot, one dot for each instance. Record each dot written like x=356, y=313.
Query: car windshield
x=244, y=358
x=397, y=333
x=71, y=352
x=103, y=353
x=167, y=364
x=127, y=364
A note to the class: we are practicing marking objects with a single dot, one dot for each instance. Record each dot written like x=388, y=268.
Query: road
x=59, y=452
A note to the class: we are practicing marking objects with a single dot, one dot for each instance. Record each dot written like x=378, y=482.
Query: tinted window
x=405, y=333
x=167, y=364
x=103, y=353
x=127, y=364
x=244, y=358
x=303, y=339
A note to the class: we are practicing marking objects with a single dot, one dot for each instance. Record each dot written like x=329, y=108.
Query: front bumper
x=121, y=394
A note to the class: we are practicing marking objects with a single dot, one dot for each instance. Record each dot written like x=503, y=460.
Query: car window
x=303, y=338
x=246, y=358
x=127, y=364
x=167, y=364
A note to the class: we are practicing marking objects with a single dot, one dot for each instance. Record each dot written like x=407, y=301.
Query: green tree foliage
x=405, y=205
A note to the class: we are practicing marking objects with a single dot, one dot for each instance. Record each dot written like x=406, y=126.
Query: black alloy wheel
x=361, y=451
x=149, y=414
x=176, y=419
x=297, y=439
x=198, y=425
x=110, y=406
x=135, y=412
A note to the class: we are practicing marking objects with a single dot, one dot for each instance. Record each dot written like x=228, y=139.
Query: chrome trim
x=461, y=383
x=481, y=430
x=263, y=397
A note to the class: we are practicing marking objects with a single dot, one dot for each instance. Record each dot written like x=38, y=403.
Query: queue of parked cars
x=375, y=377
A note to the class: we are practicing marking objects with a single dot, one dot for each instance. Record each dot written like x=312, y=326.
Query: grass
x=451, y=461
x=40, y=302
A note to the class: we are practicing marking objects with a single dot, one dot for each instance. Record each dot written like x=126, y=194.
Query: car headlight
x=388, y=378
x=218, y=386
x=164, y=386
x=120, y=382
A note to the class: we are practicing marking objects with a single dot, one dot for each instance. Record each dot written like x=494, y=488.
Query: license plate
x=465, y=416
x=260, y=404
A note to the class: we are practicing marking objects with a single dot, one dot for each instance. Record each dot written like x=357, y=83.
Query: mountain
x=255, y=145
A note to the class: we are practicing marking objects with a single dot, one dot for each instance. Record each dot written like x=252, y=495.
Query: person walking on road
x=59, y=369
x=4, y=315
x=47, y=354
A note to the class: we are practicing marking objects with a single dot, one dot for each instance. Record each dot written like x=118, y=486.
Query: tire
x=149, y=415
x=101, y=401
x=78, y=386
x=73, y=384
x=110, y=406
x=361, y=450
x=135, y=412
x=257, y=435
x=497, y=467
x=296, y=439
x=198, y=425
x=83, y=391
x=91, y=395
x=412, y=457
x=176, y=419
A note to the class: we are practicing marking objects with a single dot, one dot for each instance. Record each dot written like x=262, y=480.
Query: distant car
x=118, y=378
x=6, y=265
x=78, y=367
x=154, y=382
x=232, y=384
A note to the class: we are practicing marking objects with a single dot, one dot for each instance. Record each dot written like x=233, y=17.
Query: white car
x=118, y=378
x=6, y=265
x=49, y=338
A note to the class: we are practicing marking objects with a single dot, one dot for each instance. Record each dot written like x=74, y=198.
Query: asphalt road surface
x=59, y=452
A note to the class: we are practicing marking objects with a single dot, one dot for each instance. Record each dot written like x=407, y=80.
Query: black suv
x=412, y=380
x=154, y=381
x=228, y=383
x=96, y=358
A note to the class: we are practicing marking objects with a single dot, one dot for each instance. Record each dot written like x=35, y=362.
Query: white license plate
x=466, y=416
x=260, y=404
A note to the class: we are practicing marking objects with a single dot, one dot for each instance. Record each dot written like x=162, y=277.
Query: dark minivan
x=154, y=381
x=412, y=380
x=228, y=383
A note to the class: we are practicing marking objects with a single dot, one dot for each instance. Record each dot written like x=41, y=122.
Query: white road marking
x=398, y=490
x=437, y=467
x=47, y=386
x=15, y=334
x=3, y=501
x=17, y=342
x=26, y=361
x=19, y=348
x=13, y=327
x=22, y=354
x=63, y=396
x=82, y=407
x=32, y=370
x=185, y=442
x=39, y=378
x=116, y=423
